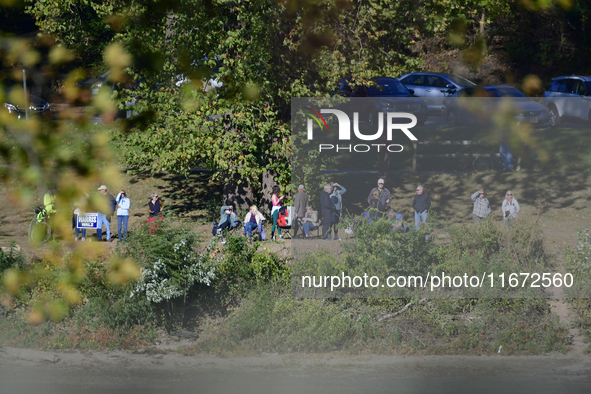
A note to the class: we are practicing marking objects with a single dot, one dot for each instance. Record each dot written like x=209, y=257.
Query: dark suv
x=568, y=98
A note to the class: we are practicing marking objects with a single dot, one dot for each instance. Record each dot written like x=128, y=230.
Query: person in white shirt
x=123, y=204
x=510, y=208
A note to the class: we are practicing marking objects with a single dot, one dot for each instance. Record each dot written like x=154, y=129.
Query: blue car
x=434, y=87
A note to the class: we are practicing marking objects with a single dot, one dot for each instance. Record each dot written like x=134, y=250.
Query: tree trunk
x=268, y=183
x=238, y=195
x=482, y=34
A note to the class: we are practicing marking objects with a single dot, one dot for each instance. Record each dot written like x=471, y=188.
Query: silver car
x=568, y=98
x=434, y=87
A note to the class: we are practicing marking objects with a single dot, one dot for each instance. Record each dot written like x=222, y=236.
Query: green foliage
x=108, y=304
x=170, y=264
x=243, y=267
x=11, y=259
x=268, y=320
x=379, y=248
x=578, y=260
x=486, y=247
x=276, y=322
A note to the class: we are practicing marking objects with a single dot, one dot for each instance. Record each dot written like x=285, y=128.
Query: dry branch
x=391, y=315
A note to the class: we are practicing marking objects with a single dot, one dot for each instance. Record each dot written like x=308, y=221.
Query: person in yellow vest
x=48, y=205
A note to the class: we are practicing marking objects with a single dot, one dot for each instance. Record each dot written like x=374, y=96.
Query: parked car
x=528, y=111
x=434, y=87
x=395, y=97
x=94, y=84
x=104, y=80
x=36, y=105
x=568, y=98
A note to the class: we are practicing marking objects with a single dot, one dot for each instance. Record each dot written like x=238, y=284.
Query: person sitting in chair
x=252, y=220
x=310, y=221
x=228, y=218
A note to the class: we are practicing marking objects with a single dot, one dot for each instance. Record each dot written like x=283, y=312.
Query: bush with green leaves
x=578, y=262
x=487, y=247
x=11, y=259
x=242, y=266
x=109, y=304
x=170, y=264
x=379, y=249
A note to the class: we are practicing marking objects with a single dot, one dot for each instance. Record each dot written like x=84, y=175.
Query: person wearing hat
x=384, y=197
x=106, y=208
x=300, y=202
x=481, y=206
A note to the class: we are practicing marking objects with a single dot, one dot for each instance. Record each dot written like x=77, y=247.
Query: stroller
x=284, y=221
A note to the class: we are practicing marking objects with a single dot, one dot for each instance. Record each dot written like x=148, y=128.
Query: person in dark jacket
x=327, y=208
x=106, y=208
x=337, y=200
x=421, y=205
x=154, y=206
x=300, y=202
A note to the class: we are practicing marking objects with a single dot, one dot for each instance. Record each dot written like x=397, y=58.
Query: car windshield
x=388, y=87
x=463, y=82
x=588, y=86
x=506, y=92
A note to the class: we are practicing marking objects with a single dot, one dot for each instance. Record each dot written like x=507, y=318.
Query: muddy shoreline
x=28, y=371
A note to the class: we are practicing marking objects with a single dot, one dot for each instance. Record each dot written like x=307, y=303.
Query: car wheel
x=452, y=118
x=554, y=116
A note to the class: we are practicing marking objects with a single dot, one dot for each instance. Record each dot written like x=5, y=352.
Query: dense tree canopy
x=264, y=52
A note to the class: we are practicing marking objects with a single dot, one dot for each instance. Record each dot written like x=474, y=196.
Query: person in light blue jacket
x=123, y=204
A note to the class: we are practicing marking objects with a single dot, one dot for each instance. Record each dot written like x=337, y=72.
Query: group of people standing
x=510, y=207
x=379, y=201
x=331, y=206
x=108, y=206
x=379, y=205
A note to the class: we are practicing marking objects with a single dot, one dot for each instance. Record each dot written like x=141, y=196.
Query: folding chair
x=285, y=224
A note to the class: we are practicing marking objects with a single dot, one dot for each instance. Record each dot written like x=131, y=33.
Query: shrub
x=170, y=265
x=11, y=259
x=381, y=250
x=242, y=267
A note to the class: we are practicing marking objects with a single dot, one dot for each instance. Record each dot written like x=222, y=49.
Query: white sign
x=87, y=221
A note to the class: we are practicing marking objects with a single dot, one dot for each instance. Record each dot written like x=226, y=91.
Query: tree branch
x=391, y=315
